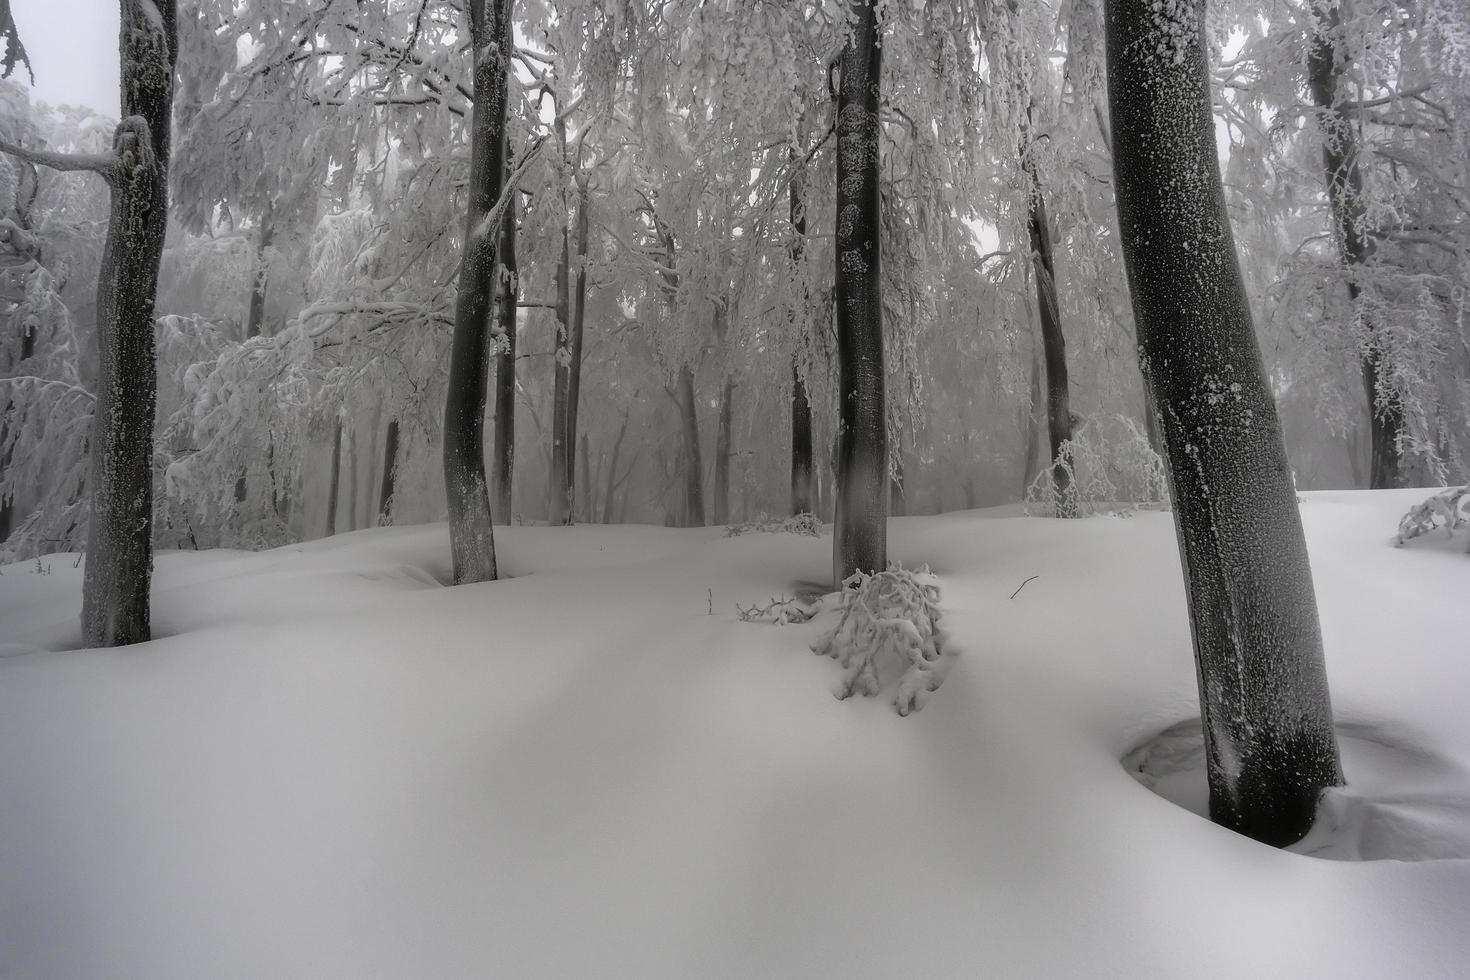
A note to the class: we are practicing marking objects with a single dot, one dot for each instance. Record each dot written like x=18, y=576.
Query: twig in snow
x=1022, y=586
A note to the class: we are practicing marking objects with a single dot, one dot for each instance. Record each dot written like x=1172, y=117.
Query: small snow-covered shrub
x=806, y=524
x=888, y=619
x=1112, y=467
x=1449, y=509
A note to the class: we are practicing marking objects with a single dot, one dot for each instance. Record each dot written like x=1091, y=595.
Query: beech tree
x=1270, y=748
x=860, y=538
x=471, y=533
x=119, y=570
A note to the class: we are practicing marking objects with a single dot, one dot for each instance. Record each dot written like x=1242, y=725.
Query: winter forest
x=466, y=417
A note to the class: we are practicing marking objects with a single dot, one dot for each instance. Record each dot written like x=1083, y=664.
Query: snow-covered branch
x=105, y=164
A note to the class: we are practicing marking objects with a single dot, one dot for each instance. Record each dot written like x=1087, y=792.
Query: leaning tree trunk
x=1054, y=347
x=1326, y=66
x=390, y=475
x=574, y=351
x=119, y=573
x=860, y=539
x=505, y=369
x=1270, y=749
x=801, y=406
x=471, y=533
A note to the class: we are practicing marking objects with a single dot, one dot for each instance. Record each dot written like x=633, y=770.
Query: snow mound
x=1403, y=802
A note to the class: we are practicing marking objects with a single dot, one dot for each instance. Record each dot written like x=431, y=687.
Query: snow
x=329, y=765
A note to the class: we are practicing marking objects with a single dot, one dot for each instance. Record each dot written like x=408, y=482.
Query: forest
x=478, y=310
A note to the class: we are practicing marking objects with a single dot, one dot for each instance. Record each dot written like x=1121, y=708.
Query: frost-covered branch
x=106, y=164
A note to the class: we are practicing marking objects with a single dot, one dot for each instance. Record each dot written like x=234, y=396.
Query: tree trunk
x=801, y=407
x=335, y=485
x=1054, y=347
x=860, y=539
x=471, y=533
x=505, y=369
x=693, y=509
x=352, y=478
x=581, y=504
x=255, y=319
x=612, y=472
x=560, y=488
x=119, y=572
x=722, y=453
x=1325, y=69
x=390, y=473
x=1032, y=422
x=1270, y=749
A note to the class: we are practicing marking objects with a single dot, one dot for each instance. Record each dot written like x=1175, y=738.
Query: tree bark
x=1270, y=748
x=561, y=487
x=860, y=539
x=255, y=319
x=335, y=484
x=722, y=453
x=693, y=510
x=1054, y=348
x=612, y=471
x=1032, y=422
x=119, y=571
x=471, y=533
x=505, y=369
x=390, y=475
x=1344, y=178
x=801, y=407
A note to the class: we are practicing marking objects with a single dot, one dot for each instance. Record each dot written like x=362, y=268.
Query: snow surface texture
x=327, y=765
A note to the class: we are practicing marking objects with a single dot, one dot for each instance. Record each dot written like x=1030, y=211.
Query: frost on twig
x=1449, y=509
x=888, y=618
x=780, y=611
x=806, y=524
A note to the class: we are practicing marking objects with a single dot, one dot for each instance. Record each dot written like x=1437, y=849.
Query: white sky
x=73, y=49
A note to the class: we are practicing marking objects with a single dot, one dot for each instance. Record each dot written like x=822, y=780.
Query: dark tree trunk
x=390, y=475
x=1325, y=68
x=471, y=533
x=574, y=349
x=1054, y=347
x=1032, y=421
x=1269, y=744
x=561, y=485
x=722, y=453
x=860, y=539
x=119, y=572
x=505, y=369
x=801, y=406
x=612, y=472
x=335, y=485
x=584, y=479
x=693, y=509
x=255, y=319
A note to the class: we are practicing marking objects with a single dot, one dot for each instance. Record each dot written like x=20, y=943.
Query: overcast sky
x=73, y=49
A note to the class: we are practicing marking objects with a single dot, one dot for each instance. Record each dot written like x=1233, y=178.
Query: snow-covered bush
x=1449, y=509
x=1112, y=465
x=806, y=524
x=888, y=620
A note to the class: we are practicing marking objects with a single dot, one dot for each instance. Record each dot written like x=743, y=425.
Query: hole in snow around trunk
x=1403, y=802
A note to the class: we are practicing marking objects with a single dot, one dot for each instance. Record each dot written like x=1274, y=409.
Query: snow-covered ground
x=330, y=766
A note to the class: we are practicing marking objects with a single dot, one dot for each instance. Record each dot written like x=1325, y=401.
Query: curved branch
x=105, y=164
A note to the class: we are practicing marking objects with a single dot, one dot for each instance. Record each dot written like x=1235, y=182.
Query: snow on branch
x=106, y=164
x=1448, y=509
